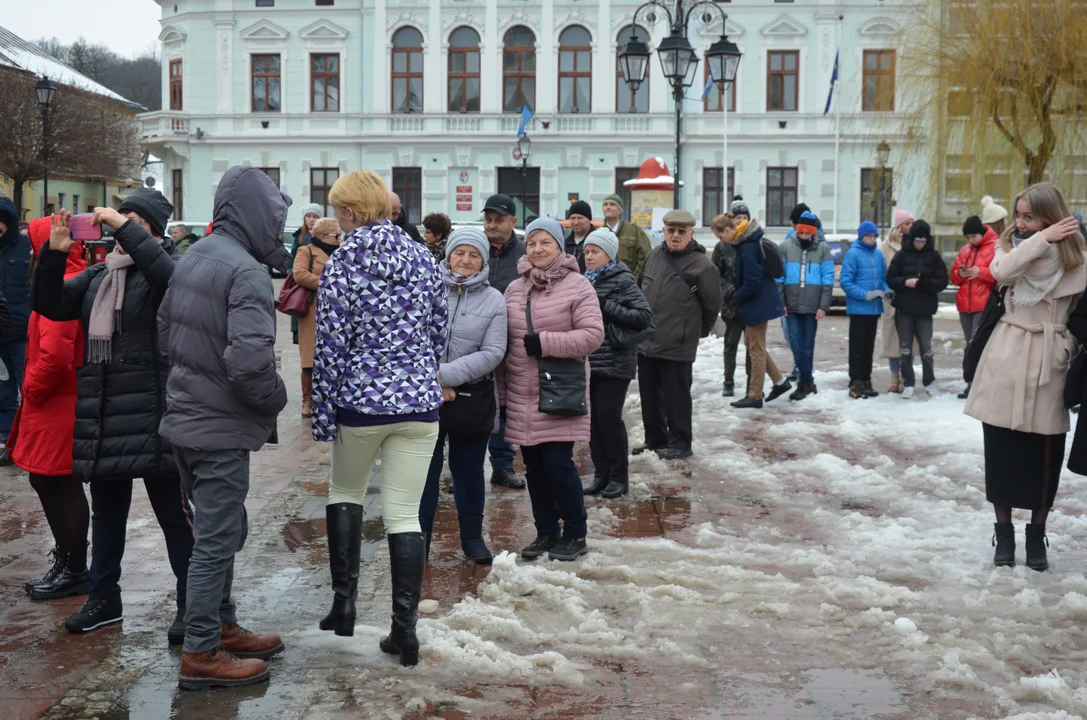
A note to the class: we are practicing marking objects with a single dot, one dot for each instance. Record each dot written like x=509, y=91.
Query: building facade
x=430, y=97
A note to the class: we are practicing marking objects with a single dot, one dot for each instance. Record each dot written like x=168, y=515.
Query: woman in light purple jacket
x=475, y=346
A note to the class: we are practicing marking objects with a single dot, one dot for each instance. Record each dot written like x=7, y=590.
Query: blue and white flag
x=526, y=117
x=709, y=86
x=833, y=82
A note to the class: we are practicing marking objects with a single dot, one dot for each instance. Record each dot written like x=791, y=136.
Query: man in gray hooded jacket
x=217, y=326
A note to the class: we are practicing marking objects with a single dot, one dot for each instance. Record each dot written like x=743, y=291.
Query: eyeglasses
x=676, y=229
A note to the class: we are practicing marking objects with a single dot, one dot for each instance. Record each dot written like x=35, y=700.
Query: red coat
x=974, y=293
x=41, y=437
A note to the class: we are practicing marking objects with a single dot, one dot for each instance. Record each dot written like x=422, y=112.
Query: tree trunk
x=17, y=196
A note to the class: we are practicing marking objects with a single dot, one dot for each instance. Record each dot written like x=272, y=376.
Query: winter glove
x=889, y=295
x=873, y=295
x=532, y=345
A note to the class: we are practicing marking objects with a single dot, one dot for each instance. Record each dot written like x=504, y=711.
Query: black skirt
x=1022, y=470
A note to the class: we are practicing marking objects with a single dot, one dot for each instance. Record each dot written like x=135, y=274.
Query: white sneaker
x=907, y=393
x=930, y=389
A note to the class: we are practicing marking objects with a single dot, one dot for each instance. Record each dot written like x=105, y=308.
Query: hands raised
x=60, y=238
x=1061, y=230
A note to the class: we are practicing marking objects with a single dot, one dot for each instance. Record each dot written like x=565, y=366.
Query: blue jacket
x=809, y=275
x=757, y=297
x=14, y=272
x=863, y=271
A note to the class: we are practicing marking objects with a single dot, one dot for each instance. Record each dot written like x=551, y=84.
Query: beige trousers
x=761, y=362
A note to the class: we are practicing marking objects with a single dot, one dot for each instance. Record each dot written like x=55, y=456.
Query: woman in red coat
x=41, y=438
x=971, y=273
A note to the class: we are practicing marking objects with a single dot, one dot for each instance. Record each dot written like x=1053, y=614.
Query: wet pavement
x=762, y=668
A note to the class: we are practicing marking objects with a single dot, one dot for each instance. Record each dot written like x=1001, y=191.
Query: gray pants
x=911, y=328
x=216, y=483
x=969, y=323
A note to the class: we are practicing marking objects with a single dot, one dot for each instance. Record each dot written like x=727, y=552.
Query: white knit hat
x=606, y=240
x=991, y=212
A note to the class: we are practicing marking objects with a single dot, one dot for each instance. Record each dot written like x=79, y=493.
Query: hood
x=39, y=235
x=930, y=247
x=452, y=280
x=863, y=246
x=991, y=237
x=10, y=217
x=250, y=209
x=615, y=268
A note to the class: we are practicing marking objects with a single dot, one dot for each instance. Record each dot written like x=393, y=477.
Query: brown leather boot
x=218, y=668
x=244, y=644
x=307, y=394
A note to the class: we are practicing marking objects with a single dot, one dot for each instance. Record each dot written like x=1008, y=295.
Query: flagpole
x=837, y=128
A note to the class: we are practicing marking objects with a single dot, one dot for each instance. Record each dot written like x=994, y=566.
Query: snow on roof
x=18, y=53
x=660, y=180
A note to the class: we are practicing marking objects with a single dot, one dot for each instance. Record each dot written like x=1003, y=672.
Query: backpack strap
x=688, y=280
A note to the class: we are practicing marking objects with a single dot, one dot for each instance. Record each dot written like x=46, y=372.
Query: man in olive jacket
x=684, y=292
x=634, y=245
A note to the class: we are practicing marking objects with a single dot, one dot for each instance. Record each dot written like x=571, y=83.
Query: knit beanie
x=807, y=223
x=615, y=199
x=901, y=216
x=312, y=209
x=580, y=207
x=606, y=240
x=991, y=212
x=469, y=235
x=973, y=226
x=794, y=216
x=549, y=225
x=919, y=230
x=739, y=207
x=152, y=206
x=867, y=228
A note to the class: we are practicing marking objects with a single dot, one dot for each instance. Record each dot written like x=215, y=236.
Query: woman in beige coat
x=1018, y=391
x=308, y=265
x=903, y=221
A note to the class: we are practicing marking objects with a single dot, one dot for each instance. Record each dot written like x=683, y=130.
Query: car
x=196, y=227
x=839, y=244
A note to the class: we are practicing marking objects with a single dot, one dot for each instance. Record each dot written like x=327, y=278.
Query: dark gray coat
x=502, y=264
x=682, y=312
x=217, y=323
x=626, y=311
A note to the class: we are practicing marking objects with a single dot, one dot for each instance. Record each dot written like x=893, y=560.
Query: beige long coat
x=308, y=278
x=1019, y=384
x=889, y=332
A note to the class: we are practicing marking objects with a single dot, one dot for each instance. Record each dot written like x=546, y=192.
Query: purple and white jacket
x=381, y=317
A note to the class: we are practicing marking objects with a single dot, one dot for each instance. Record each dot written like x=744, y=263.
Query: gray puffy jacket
x=217, y=323
x=476, y=333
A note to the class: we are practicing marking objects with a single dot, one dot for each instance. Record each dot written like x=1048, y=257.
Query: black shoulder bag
x=990, y=316
x=690, y=281
x=562, y=380
x=472, y=412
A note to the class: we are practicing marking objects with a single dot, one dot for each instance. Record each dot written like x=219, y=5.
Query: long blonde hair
x=1047, y=204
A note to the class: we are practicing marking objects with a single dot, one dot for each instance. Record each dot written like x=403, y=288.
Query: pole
x=724, y=156
x=524, y=190
x=45, y=158
x=837, y=131
x=678, y=93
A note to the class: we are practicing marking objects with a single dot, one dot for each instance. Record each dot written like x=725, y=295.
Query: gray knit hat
x=468, y=235
x=606, y=240
x=549, y=225
x=312, y=209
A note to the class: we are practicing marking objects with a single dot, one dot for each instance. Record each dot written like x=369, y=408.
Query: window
x=175, y=84
x=780, y=195
x=75, y=203
x=273, y=173
x=782, y=79
x=408, y=184
x=622, y=174
x=876, y=194
x=325, y=3
x=575, y=70
x=715, y=197
x=712, y=103
x=523, y=185
x=177, y=191
x=519, y=70
x=60, y=200
x=321, y=181
x=325, y=83
x=266, y=83
x=879, y=81
x=464, y=70
x=958, y=177
x=90, y=207
x=625, y=100
x=407, y=71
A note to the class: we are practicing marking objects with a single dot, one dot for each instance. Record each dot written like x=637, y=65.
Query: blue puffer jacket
x=809, y=275
x=757, y=297
x=14, y=272
x=863, y=271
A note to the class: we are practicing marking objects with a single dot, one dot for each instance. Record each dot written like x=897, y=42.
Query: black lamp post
x=524, y=148
x=45, y=90
x=678, y=59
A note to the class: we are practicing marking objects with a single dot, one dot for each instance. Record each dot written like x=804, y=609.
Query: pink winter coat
x=566, y=316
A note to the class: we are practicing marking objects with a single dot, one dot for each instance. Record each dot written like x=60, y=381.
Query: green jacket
x=634, y=246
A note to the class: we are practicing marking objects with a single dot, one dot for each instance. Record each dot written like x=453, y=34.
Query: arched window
x=575, y=70
x=464, y=70
x=407, y=73
x=625, y=100
x=519, y=70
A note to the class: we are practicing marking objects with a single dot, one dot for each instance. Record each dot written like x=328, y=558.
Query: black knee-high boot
x=344, y=546
x=407, y=557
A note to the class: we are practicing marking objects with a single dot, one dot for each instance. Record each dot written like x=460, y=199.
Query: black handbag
x=990, y=316
x=562, y=380
x=472, y=413
x=626, y=339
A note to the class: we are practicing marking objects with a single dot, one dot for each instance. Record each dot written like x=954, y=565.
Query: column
x=224, y=41
x=547, y=58
x=490, y=71
x=379, y=78
x=604, y=61
x=434, y=84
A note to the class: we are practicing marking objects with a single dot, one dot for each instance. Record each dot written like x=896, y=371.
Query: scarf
x=543, y=278
x=106, y=311
x=324, y=247
x=594, y=275
x=1041, y=277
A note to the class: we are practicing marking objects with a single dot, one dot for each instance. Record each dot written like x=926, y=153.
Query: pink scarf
x=543, y=278
x=106, y=311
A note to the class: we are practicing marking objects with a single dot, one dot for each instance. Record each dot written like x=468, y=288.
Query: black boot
x=778, y=390
x=58, y=566
x=471, y=539
x=407, y=563
x=427, y=526
x=70, y=579
x=869, y=391
x=175, y=635
x=1004, y=540
x=1036, y=544
x=344, y=546
x=856, y=390
x=748, y=402
x=965, y=394
x=599, y=483
x=729, y=389
x=615, y=489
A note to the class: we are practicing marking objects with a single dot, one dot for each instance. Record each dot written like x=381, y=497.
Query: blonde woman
x=1018, y=390
x=308, y=265
x=903, y=221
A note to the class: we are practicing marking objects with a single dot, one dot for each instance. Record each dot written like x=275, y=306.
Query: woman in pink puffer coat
x=566, y=323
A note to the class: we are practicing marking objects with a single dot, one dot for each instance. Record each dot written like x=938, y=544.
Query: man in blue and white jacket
x=806, y=291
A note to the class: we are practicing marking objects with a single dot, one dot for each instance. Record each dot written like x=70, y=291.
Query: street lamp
x=883, y=155
x=45, y=90
x=679, y=62
x=724, y=62
x=524, y=149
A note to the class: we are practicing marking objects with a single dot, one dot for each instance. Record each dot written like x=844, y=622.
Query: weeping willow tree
x=1000, y=87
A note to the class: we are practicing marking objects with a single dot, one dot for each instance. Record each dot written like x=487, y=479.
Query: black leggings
x=67, y=512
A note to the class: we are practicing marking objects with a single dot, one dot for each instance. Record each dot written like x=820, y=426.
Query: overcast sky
x=127, y=27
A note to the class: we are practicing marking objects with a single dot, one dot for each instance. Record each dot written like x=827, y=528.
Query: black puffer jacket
x=931, y=271
x=625, y=311
x=724, y=259
x=120, y=402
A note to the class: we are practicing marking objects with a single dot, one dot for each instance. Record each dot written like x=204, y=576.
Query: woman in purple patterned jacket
x=381, y=317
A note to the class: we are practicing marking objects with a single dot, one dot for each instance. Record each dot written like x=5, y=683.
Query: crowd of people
x=468, y=343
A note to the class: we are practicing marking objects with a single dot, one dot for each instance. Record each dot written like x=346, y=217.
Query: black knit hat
x=794, y=216
x=920, y=229
x=580, y=207
x=152, y=206
x=973, y=226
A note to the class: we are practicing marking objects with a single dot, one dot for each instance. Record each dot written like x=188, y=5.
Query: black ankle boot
x=1004, y=540
x=471, y=539
x=599, y=483
x=344, y=546
x=70, y=579
x=407, y=561
x=1036, y=544
x=58, y=565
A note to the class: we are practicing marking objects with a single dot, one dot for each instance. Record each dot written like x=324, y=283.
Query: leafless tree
x=138, y=78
